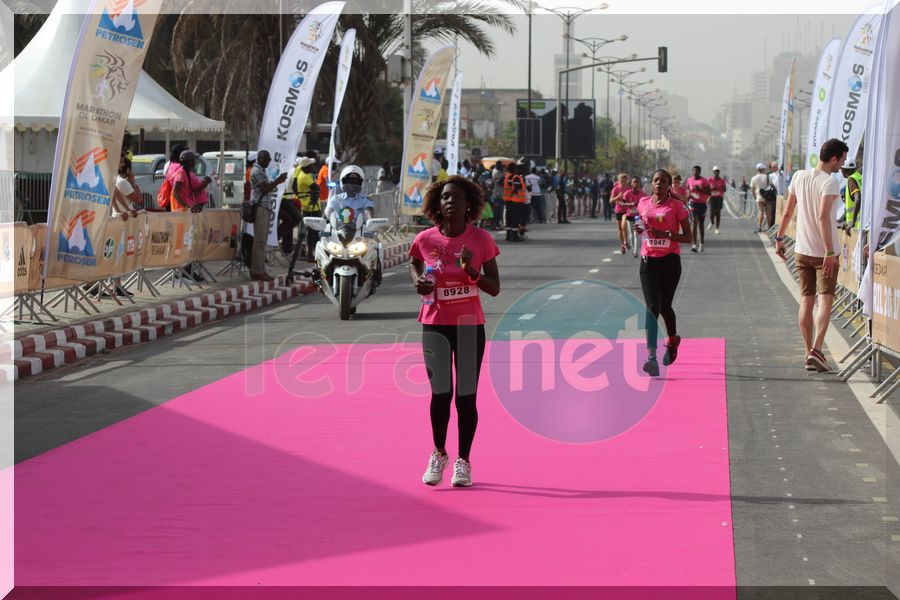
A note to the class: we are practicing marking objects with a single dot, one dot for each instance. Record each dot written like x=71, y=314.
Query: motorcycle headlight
x=357, y=248
x=334, y=248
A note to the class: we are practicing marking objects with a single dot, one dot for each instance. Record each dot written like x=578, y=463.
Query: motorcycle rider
x=347, y=204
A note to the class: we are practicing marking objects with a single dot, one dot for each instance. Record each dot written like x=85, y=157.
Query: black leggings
x=659, y=280
x=446, y=346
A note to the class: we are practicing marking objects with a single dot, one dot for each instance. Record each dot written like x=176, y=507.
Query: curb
x=38, y=353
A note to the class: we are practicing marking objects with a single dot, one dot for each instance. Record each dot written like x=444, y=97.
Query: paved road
x=814, y=491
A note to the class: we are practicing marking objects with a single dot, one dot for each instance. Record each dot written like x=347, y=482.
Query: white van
x=232, y=173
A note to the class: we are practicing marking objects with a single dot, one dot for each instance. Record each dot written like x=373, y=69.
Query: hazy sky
x=710, y=56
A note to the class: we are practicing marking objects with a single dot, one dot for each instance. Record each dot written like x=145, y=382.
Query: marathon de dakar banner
x=291, y=92
x=849, y=104
x=102, y=82
x=453, y=120
x=122, y=250
x=340, y=88
x=216, y=234
x=422, y=126
x=787, y=121
x=881, y=169
x=170, y=239
x=886, y=301
x=817, y=132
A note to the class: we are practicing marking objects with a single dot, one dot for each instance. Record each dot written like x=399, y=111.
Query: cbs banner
x=100, y=89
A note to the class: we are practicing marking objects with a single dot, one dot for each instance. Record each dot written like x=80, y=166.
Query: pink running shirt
x=698, y=187
x=457, y=301
x=663, y=217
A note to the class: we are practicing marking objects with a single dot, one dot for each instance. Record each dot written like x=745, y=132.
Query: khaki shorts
x=812, y=278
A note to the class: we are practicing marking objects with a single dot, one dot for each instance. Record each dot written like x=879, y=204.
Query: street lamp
x=608, y=102
x=568, y=14
x=631, y=87
x=594, y=44
x=620, y=76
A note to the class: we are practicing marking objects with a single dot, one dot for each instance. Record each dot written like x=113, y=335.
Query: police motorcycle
x=347, y=255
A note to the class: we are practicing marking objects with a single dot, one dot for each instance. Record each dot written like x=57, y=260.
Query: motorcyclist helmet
x=352, y=178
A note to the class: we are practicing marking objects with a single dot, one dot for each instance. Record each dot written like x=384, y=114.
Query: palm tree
x=222, y=64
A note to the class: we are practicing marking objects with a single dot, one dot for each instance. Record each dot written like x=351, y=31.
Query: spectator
x=288, y=212
x=605, y=188
x=263, y=199
x=126, y=199
x=188, y=190
x=384, y=178
x=497, y=195
x=745, y=193
x=852, y=194
x=758, y=183
x=536, y=194
x=814, y=194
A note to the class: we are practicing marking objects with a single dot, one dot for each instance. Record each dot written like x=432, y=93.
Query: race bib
x=456, y=292
x=658, y=243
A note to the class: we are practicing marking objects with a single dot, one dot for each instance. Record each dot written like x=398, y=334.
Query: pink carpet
x=282, y=476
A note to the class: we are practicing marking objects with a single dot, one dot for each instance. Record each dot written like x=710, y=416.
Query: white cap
x=438, y=150
x=850, y=164
x=305, y=161
x=252, y=155
x=716, y=169
x=760, y=167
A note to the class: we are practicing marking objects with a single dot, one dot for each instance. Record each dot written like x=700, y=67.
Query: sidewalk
x=39, y=347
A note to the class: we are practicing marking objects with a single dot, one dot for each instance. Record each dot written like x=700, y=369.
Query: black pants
x=562, y=210
x=446, y=346
x=607, y=209
x=659, y=280
x=288, y=219
x=594, y=200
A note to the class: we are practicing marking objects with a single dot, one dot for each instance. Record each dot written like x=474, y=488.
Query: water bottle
x=639, y=225
x=428, y=299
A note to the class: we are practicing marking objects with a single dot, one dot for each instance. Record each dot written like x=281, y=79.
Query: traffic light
x=663, y=59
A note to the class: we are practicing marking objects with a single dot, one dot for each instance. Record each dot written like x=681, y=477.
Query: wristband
x=779, y=239
x=829, y=254
x=477, y=277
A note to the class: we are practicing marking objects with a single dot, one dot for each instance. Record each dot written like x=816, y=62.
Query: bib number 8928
x=456, y=292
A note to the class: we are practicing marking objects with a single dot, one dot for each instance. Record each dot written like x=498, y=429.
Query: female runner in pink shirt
x=664, y=226
x=615, y=198
x=463, y=259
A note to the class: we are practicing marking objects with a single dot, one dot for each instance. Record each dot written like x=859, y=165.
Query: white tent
x=40, y=72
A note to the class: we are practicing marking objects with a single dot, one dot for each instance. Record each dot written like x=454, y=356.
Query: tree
x=223, y=64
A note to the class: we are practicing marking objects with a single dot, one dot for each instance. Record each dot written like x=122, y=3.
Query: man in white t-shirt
x=758, y=183
x=815, y=193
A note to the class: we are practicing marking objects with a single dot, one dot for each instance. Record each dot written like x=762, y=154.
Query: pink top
x=457, y=301
x=681, y=192
x=194, y=192
x=617, y=189
x=717, y=186
x=663, y=217
x=630, y=199
x=699, y=189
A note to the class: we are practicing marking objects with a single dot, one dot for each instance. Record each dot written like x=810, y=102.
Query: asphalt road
x=814, y=489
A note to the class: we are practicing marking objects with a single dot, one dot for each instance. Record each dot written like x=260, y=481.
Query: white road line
x=598, y=270
x=607, y=260
x=579, y=282
x=115, y=364
x=391, y=274
x=527, y=317
x=555, y=297
x=202, y=334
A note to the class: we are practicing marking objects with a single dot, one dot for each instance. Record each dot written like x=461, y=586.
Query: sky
x=711, y=57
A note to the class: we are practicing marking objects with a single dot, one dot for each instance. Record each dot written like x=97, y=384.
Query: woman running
x=615, y=198
x=679, y=190
x=664, y=227
x=698, y=186
x=462, y=261
x=630, y=200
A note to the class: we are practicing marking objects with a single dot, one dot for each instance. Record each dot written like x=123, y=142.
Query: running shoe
x=671, y=350
x=693, y=247
x=818, y=360
x=462, y=473
x=434, y=474
x=717, y=231
x=651, y=367
x=709, y=227
x=701, y=247
x=624, y=249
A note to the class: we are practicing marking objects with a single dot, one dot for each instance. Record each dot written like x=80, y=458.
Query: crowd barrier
x=878, y=343
x=149, y=241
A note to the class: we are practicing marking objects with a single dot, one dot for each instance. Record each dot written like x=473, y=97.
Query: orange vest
x=509, y=193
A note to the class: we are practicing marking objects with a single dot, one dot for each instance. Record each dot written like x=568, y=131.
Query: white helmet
x=353, y=170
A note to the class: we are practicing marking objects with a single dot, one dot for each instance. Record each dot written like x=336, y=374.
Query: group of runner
x=699, y=194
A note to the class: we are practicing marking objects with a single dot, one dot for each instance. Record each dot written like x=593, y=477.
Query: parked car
x=148, y=171
x=233, y=169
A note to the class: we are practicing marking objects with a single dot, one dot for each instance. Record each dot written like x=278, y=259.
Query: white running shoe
x=701, y=247
x=434, y=474
x=693, y=247
x=462, y=473
x=717, y=231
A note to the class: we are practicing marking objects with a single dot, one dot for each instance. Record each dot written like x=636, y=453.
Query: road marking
x=555, y=297
x=895, y=538
x=812, y=582
x=115, y=364
x=390, y=274
x=579, y=282
x=527, y=317
x=598, y=270
x=870, y=479
x=201, y=334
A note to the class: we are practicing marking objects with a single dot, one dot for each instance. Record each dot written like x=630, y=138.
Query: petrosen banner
x=847, y=114
x=821, y=99
x=340, y=87
x=102, y=82
x=453, y=117
x=422, y=125
x=787, y=120
x=290, y=94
